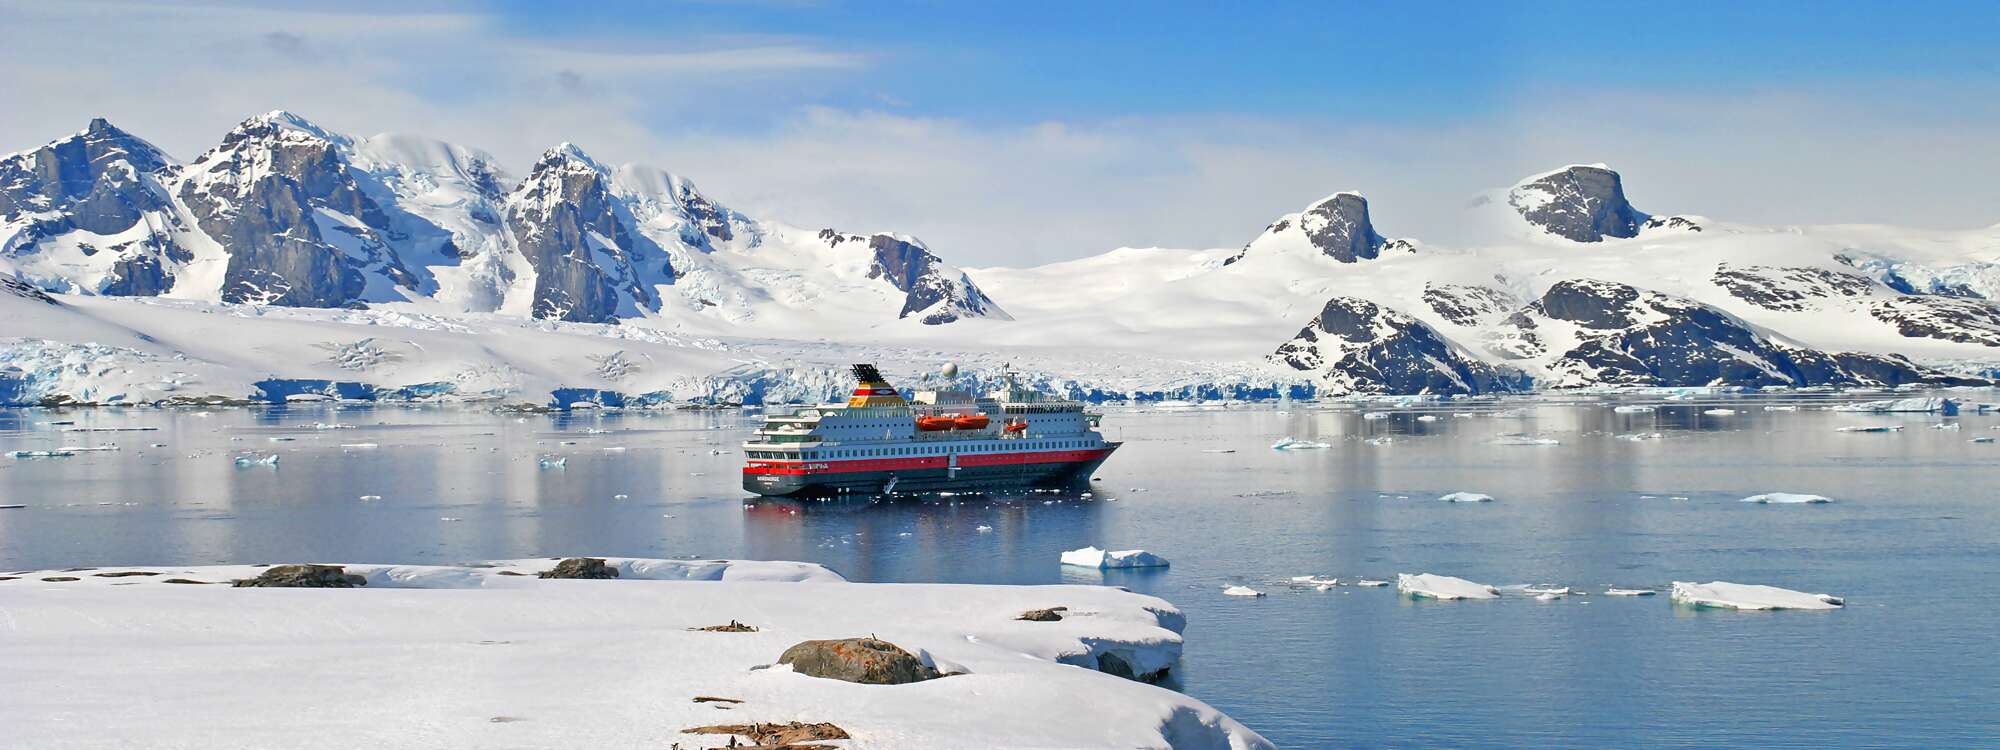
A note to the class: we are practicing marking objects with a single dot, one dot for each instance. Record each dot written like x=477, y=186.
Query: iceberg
x=1092, y=557
x=1725, y=595
x=1241, y=591
x=1445, y=588
x=247, y=461
x=1292, y=444
x=1944, y=406
x=1369, y=583
x=1614, y=591
x=1467, y=497
x=1786, y=498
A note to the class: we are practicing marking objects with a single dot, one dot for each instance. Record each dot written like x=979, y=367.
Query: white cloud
x=981, y=193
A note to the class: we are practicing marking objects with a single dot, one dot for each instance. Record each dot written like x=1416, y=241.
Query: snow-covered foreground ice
x=1725, y=595
x=1092, y=557
x=1786, y=498
x=1428, y=586
x=499, y=660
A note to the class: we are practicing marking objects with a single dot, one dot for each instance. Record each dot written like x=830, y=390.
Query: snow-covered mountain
x=283, y=212
x=405, y=266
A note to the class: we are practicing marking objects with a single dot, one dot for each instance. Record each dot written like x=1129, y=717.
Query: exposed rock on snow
x=1428, y=586
x=938, y=293
x=1357, y=346
x=1092, y=557
x=1581, y=203
x=1724, y=595
x=1794, y=289
x=580, y=567
x=867, y=661
x=304, y=577
x=1051, y=614
x=1786, y=498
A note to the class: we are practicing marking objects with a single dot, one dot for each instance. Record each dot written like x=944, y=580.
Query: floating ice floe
x=1241, y=591
x=1525, y=440
x=331, y=426
x=1638, y=437
x=1980, y=440
x=307, y=397
x=1222, y=450
x=1467, y=497
x=105, y=448
x=370, y=498
x=13, y=507
x=1375, y=415
x=1446, y=588
x=1092, y=557
x=1382, y=440
x=1786, y=498
x=555, y=463
x=1613, y=591
x=1944, y=406
x=1872, y=428
x=1369, y=583
x=1725, y=595
x=984, y=529
x=1428, y=418
x=1545, y=590
x=40, y=454
x=1783, y=407
x=1634, y=409
x=1720, y=412
x=1945, y=426
x=270, y=460
x=1292, y=444
x=358, y=446
x=1315, y=581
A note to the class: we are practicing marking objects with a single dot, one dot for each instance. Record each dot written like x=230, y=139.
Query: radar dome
x=950, y=370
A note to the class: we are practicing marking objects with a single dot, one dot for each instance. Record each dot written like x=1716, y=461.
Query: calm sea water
x=1912, y=540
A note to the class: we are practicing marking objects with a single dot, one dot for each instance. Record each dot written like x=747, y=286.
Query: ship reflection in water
x=928, y=537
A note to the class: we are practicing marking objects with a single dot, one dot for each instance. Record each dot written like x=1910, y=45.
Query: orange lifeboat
x=970, y=422
x=1019, y=426
x=934, y=424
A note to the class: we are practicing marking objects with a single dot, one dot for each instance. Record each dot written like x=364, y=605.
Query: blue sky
x=1031, y=132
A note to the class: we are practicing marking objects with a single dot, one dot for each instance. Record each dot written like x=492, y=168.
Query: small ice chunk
x=1980, y=440
x=984, y=529
x=1786, y=498
x=1241, y=591
x=1634, y=409
x=1428, y=418
x=1370, y=583
x=1467, y=497
x=270, y=460
x=1447, y=588
x=1375, y=415
x=555, y=463
x=1615, y=591
x=1525, y=440
x=1382, y=440
x=1542, y=590
x=1294, y=444
x=1873, y=428
x=370, y=498
x=1638, y=437
x=1720, y=412
x=41, y=454
x=1221, y=450
x=1316, y=581
x=1547, y=597
x=1785, y=407
x=1092, y=557
x=1945, y=426
x=1725, y=595
x=358, y=446
x=450, y=519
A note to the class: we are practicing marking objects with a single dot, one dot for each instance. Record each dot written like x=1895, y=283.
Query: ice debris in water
x=1980, y=440
x=1316, y=582
x=1944, y=406
x=270, y=460
x=1786, y=498
x=1467, y=497
x=1725, y=595
x=1092, y=557
x=1370, y=583
x=357, y=446
x=1428, y=418
x=1945, y=426
x=1292, y=444
x=1241, y=591
x=1720, y=412
x=1382, y=440
x=40, y=454
x=1783, y=407
x=1375, y=415
x=1614, y=591
x=1428, y=586
x=1638, y=437
x=1518, y=439
x=1634, y=409
x=555, y=463
x=983, y=529
x=370, y=498
x=1873, y=428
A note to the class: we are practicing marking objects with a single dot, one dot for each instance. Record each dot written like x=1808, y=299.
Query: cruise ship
x=880, y=443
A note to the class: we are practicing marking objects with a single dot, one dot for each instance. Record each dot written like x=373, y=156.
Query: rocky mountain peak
x=1580, y=202
x=1337, y=226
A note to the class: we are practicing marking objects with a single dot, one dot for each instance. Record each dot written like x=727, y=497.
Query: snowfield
x=431, y=656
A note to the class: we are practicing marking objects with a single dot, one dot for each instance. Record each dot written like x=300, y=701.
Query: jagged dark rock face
x=1584, y=204
x=1357, y=346
x=1682, y=223
x=1630, y=336
x=259, y=194
x=1339, y=227
x=1971, y=321
x=928, y=289
x=1468, y=305
x=102, y=181
x=553, y=215
x=18, y=288
x=1789, y=289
